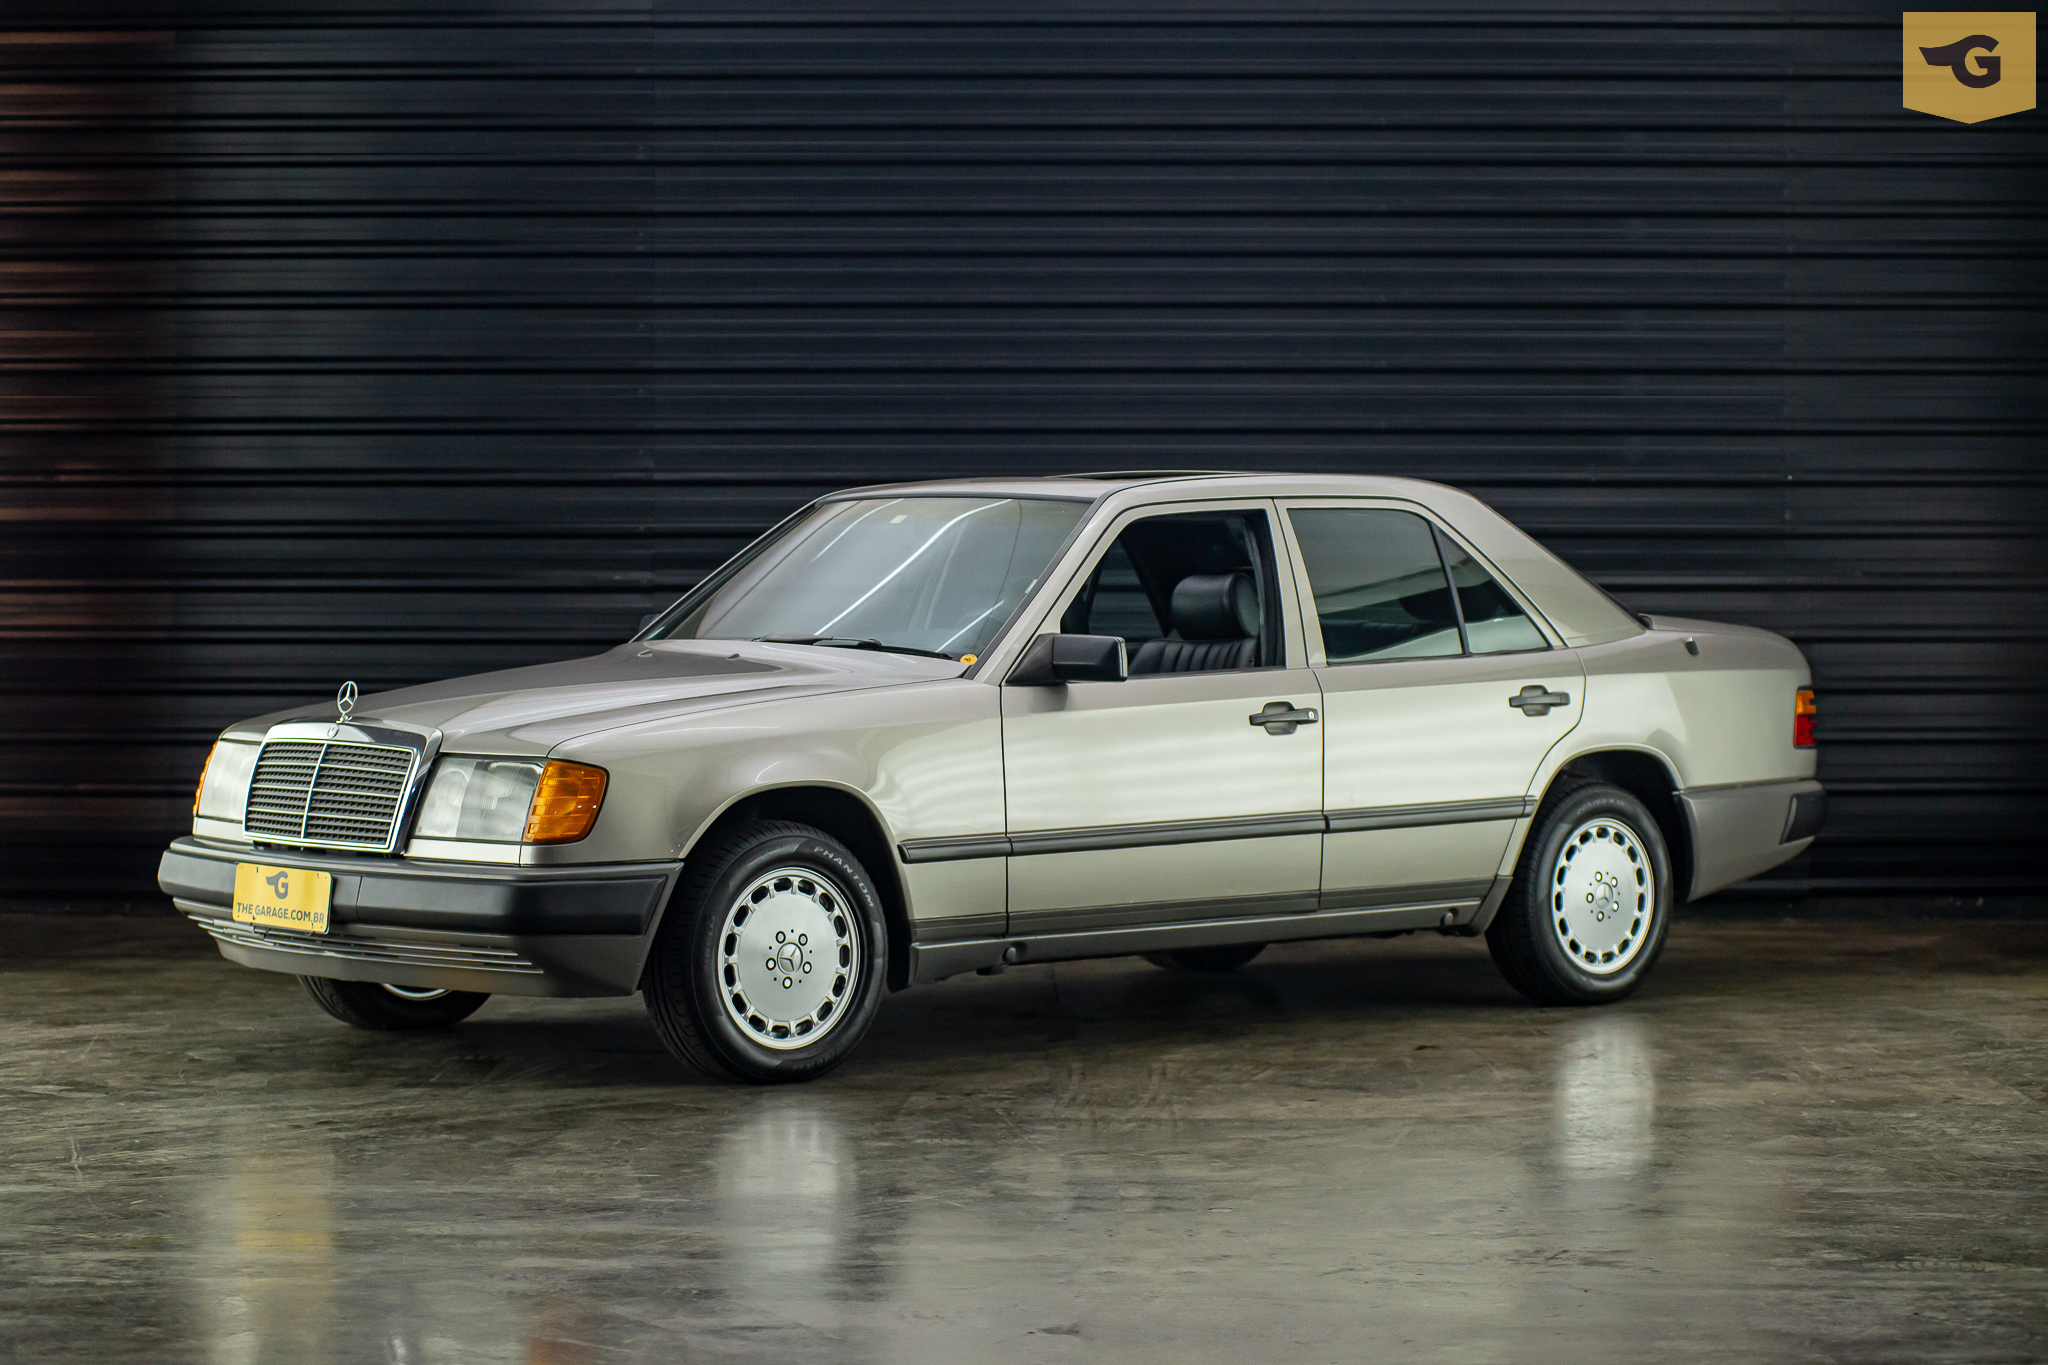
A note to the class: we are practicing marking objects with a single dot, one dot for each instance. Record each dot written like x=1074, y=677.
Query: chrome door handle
x=1536, y=700
x=1280, y=717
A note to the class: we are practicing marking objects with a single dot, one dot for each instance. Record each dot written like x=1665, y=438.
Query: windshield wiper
x=849, y=642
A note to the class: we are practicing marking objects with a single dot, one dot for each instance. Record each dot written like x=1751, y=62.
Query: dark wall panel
x=391, y=342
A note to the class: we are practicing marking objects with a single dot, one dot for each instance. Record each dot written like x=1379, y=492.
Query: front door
x=1157, y=800
x=1441, y=696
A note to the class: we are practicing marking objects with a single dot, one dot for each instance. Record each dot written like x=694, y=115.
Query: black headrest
x=1216, y=606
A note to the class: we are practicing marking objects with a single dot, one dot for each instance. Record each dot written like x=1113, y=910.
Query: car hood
x=531, y=710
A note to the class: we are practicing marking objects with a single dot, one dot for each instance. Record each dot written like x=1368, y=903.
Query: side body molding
x=1211, y=831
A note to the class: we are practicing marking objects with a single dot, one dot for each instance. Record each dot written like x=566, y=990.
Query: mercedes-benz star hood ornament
x=345, y=700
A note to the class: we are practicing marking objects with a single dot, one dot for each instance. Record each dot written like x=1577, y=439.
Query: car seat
x=1216, y=617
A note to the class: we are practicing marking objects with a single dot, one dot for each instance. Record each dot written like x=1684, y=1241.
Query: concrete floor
x=1800, y=1142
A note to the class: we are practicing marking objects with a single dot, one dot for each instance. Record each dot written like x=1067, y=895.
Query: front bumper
x=458, y=926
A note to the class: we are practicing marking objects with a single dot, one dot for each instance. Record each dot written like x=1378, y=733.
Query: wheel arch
x=846, y=815
x=1649, y=777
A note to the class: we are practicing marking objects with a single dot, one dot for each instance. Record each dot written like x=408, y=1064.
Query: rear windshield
x=940, y=574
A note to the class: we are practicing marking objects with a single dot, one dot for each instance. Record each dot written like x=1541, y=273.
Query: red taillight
x=1803, y=711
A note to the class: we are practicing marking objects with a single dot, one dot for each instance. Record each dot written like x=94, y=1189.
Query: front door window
x=1188, y=593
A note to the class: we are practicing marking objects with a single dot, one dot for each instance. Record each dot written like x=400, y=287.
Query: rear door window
x=1493, y=623
x=1379, y=584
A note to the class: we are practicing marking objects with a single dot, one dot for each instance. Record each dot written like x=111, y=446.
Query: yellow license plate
x=282, y=897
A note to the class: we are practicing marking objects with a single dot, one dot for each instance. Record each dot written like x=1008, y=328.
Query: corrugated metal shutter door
x=435, y=340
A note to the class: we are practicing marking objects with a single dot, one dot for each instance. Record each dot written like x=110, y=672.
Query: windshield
x=938, y=574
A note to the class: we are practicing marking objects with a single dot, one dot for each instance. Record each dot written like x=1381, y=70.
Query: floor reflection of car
x=928, y=729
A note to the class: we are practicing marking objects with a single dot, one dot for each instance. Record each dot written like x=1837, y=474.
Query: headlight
x=479, y=798
x=224, y=785
x=510, y=801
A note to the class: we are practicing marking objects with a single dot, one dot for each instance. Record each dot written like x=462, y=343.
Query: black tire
x=686, y=992
x=1530, y=937
x=1224, y=957
x=366, y=1004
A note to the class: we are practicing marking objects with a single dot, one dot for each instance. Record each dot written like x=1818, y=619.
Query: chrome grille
x=327, y=793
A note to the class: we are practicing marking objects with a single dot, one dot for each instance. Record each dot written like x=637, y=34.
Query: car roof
x=1191, y=482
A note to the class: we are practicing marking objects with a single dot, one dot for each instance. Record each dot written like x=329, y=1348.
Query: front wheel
x=772, y=959
x=1585, y=918
x=369, y=1004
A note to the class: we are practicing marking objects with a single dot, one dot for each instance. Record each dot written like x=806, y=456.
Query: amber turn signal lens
x=200, y=790
x=1803, y=712
x=565, y=804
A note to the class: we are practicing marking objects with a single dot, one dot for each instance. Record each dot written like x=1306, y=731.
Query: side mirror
x=1054, y=659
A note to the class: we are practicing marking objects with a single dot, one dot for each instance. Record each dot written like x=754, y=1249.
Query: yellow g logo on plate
x=1969, y=65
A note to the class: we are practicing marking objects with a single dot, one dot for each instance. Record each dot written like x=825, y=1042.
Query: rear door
x=1441, y=694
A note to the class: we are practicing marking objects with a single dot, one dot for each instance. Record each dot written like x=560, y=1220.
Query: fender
x=1670, y=818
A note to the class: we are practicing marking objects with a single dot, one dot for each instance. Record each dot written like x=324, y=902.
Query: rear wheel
x=1585, y=919
x=1227, y=957
x=371, y=1004
x=772, y=960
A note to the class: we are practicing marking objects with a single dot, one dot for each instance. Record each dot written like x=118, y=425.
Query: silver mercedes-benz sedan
x=935, y=728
